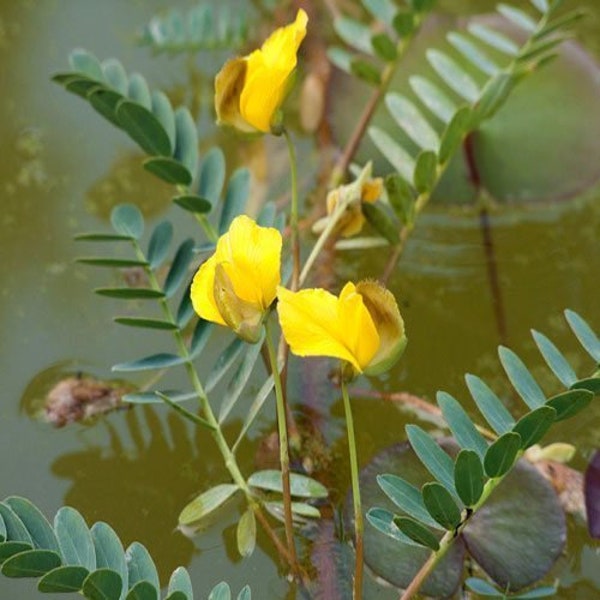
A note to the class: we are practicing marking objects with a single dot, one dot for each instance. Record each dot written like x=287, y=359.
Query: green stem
x=284, y=456
x=209, y=230
x=294, y=210
x=211, y=421
x=358, y=516
x=339, y=171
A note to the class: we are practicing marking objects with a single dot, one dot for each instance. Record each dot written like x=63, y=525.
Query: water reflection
x=150, y=467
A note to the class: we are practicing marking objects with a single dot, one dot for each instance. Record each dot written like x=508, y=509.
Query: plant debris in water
x=80, y=399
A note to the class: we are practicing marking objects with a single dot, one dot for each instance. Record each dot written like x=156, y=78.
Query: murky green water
x=62, y=170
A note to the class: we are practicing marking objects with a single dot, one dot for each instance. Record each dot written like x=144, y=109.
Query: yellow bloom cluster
x=238, y=284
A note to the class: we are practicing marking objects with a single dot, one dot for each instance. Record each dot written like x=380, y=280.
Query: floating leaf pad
x=520, y=532
x=392, y=561
x=515, y=540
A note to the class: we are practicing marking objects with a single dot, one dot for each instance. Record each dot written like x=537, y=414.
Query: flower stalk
x=284, y=455
x=358, y=515
x=295, y=238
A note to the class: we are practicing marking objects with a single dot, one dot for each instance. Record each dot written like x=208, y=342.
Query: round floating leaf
x=515, y=150
x=169, y=170
x=518, y=534
x=144, y=128
x=127, y=219
x=395, y=562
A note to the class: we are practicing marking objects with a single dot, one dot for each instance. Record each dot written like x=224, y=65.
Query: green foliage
x=167, y=135
x=199, y=28
x=461, y=101
x=70, y=557
x=147, y=117
x=376, y=45
x=464, y=483
x=237, y=362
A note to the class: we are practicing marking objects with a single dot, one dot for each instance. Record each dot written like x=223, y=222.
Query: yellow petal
x=316, y=323
x=383, y=308
x=248, y=258
x=268, y=72
x=371, y=190
x=245, y=318
x=202, y=294
x=251, y=257
x=229, y=84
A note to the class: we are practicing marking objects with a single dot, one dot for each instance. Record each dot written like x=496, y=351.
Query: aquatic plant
x=246, y=270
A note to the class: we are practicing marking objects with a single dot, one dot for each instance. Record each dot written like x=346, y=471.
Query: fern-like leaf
x=70, y=557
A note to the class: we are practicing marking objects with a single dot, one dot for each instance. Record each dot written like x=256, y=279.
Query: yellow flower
x=238, y=283
x=362, y=326
x=250, y=89
x=344, y=203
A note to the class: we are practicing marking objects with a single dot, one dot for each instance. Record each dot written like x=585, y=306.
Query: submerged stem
x=358, y=516
x=284, y=455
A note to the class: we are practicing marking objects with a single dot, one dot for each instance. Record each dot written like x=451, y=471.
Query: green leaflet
x=501, y=455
